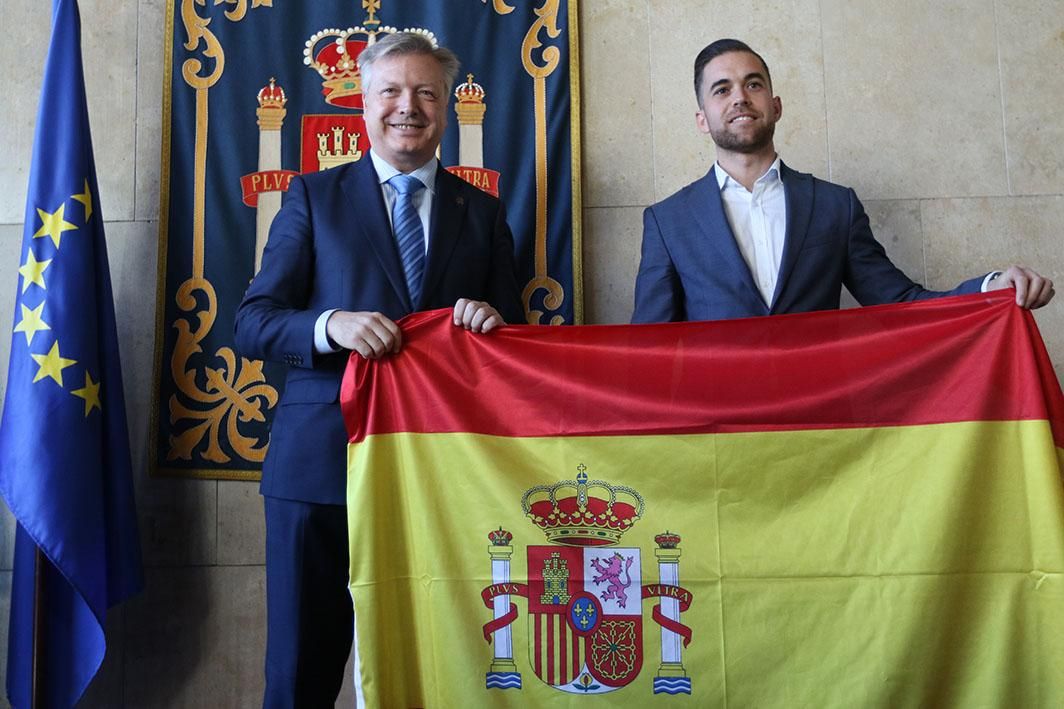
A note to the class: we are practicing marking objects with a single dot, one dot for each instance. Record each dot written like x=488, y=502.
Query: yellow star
x=53, y=225
x=33, y=271
x=31, y=323
x=86, y=199
x=90, y=393
x=52, y=365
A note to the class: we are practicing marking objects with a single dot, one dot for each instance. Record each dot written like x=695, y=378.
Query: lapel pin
x=459, y=200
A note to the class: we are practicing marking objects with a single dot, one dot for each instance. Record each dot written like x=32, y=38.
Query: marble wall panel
x=178, y=520
x=109, y=53
x=196, y=638
x=615, y=82
x=7, y=538
x=241, y=525
x=150, y=57
x=612, y=239
x=1031, y=42
x=914, y=98
x=22, y=62
x=785, y=32
x=896, y=225
x=10, y=283
x=967, y=237
x=132, y=248
x=346, y=697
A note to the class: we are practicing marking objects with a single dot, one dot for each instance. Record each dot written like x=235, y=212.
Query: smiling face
x=738, y=109
x=405, y=109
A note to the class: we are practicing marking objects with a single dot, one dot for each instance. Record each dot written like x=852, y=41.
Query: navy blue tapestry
x=257, y=91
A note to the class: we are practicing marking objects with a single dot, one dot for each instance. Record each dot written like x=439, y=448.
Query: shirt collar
x=386, y=171
x=724, y=180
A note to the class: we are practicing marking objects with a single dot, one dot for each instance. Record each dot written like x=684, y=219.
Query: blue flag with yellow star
x=65, y=467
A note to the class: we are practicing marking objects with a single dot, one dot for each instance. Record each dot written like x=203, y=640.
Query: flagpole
x=38, y=623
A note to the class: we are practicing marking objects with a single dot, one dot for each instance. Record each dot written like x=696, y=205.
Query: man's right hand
x=372, y=335
x=1032, y=289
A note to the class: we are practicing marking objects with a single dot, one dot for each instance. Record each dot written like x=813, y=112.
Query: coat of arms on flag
x=585, y=595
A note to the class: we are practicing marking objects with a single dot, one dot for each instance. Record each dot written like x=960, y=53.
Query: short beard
x=726, y=140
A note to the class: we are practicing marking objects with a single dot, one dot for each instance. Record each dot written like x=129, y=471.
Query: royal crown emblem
x=470, y=107
x=585, y=617
x=272, y=96
x=583, y=512
x=333, y=53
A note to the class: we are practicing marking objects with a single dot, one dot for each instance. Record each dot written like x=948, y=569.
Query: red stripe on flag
x=968, y=358
x=538, y=660
x=552, y=658
x=563, y=647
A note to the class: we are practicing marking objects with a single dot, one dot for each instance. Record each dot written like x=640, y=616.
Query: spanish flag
x=848, y=509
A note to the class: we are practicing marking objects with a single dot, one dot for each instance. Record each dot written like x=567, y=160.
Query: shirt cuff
x=322, y=343
x=986, y=280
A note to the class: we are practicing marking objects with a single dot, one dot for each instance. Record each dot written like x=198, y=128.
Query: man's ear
x=701, y=122
x=778, y=104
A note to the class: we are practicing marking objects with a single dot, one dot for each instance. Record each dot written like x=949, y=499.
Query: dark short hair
x=403, y=43
x=714, y=50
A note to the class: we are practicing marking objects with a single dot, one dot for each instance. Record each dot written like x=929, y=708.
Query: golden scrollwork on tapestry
x=501, y=7
x=546, y=22
x=197, y=32
x=238, y=12
x=216, y=396
x=555, y=296
x=228, y=394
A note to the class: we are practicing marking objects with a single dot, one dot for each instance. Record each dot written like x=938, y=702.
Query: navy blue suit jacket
x=691, y=267
x=331, y=246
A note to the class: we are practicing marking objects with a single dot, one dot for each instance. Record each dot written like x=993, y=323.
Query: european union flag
x=65, y=468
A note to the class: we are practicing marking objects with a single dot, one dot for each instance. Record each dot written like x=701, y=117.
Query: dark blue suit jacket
x=692, y=269
x=331, y=246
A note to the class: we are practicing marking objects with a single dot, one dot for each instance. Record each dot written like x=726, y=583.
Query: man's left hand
x=476, y=315
x=1032, y=290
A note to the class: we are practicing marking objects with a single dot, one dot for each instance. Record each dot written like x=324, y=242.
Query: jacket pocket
x=311, y=391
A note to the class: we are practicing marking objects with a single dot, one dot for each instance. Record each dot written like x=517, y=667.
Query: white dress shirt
x=422, y=201
x=758, y=220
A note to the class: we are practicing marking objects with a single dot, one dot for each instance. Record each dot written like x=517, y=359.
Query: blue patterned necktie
x=409, y=235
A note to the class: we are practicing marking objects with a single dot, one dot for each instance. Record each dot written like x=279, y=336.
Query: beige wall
x=943, y=114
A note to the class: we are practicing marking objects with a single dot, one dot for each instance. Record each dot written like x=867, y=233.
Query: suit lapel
x=707, y=206
x=445, y=226
x=798, y=188
x=362, y=187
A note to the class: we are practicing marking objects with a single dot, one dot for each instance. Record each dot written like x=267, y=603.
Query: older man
x=754, y=237
x=352, y=250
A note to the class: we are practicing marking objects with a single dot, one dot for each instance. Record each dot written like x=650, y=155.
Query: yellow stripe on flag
x=887, y=566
